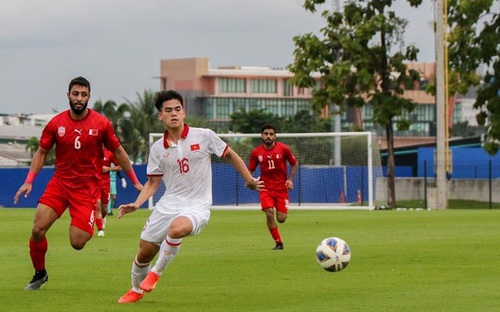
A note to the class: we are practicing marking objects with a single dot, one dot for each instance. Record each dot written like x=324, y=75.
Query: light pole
x=440, y=161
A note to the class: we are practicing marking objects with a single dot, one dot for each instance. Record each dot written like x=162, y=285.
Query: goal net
x=336, y=170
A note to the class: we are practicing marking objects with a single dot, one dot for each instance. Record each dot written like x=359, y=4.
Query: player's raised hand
x=25, y=188
x=126, y=208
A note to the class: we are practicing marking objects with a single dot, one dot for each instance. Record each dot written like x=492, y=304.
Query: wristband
x=131, y=175
x=30, y=177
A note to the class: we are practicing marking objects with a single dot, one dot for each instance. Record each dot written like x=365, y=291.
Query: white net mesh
x=336, y=171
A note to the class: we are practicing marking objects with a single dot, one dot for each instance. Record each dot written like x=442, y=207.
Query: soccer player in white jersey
x=182, y=159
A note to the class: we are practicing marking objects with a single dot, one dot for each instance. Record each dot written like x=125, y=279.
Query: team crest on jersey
x=61, y=131
x=260, y=158
x=278, y=156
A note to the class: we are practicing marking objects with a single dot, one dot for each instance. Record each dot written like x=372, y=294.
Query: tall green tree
x=474, y=44
x=303, y=121
x=251, y=121
x=361, y=60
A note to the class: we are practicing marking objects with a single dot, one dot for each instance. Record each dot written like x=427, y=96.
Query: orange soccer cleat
x=149, y=283
x=131, y=296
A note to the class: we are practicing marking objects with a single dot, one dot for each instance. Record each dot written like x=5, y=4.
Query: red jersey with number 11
x=272, y=163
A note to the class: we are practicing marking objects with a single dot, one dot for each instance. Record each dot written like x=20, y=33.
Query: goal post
x=336, y=170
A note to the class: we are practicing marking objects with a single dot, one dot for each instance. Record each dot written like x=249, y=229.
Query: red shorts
x=277, y=199
x=80, y=201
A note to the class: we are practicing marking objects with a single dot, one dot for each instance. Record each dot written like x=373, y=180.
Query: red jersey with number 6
x=79, y=143
x=273, y=170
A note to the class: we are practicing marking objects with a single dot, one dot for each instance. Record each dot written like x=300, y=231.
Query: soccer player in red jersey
x=272, y=157
x=78, y=134
x=104, y=192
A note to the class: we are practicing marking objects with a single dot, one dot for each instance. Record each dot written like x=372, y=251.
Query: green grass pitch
x=401, y=261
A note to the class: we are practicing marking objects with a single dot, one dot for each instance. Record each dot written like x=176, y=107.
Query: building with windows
x=215, y=93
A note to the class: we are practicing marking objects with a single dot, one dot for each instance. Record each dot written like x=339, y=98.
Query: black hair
x=79, y=81
x=167, y=95
x=267, y=126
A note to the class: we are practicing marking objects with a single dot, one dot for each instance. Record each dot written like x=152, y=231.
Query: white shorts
x=156, y=228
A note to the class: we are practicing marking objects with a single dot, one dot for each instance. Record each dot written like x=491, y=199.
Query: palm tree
x=32, y=146
x=111, y=111
x=135, y=129
x=133, y=140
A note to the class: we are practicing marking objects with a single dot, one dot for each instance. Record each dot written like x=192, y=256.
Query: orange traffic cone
x=358, y=200
x=342, y=197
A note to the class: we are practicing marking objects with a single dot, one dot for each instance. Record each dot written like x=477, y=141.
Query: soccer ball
x=333, y=254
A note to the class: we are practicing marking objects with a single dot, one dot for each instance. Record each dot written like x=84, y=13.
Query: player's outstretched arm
x=36, y=165
x=147, y=191
x=124, y=163
x=138, y=186
x=238, y=164
x=289, y=181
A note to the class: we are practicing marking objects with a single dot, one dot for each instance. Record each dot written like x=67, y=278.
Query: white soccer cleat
x=38, y=280
x=100, y=233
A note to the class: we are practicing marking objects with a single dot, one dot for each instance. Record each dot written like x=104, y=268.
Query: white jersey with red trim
x=186, y=169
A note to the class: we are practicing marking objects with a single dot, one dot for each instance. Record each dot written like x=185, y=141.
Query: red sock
x=275, y=234
x=37, y=253
x=98, y=222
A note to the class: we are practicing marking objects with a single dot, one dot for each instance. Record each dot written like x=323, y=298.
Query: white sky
x=118, y=44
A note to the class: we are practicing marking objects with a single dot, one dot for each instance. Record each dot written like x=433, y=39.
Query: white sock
x=138, y=274
x=168, y=249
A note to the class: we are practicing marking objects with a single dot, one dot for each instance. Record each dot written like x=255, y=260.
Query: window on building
x=239, y=105
x=254, y=104
x=303, y=105
x=288, y=108
x=423, y=83
x=422, y=121
x=457, y=113
x=273, y=107
x=208, y=108
x=287, y=88
x=232, y=85
x=222, y=109
x=264, y=86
